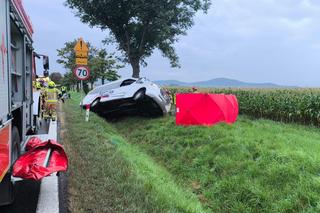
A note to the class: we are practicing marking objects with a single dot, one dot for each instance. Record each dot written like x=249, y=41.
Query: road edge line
x=48, y=200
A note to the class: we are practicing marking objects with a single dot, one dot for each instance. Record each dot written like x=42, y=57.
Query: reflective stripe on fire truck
x=5, y=149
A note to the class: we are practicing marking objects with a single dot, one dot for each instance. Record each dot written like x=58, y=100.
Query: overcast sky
x=274, y=41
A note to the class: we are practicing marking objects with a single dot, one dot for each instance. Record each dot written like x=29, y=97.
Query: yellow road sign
x=81, y=49
x=81, y=46
x=82, y=61
x=81, y=54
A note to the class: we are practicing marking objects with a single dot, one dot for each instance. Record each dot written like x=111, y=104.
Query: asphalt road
x=26, y=192
x=26, y=199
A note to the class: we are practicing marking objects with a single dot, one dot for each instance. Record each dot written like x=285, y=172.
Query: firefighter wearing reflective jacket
x=63, y=90
x=51, y=101
x=63, y=93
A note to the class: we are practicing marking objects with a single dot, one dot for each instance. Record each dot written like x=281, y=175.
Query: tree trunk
x=135, y=68
x=85, y=88
x=102, y=81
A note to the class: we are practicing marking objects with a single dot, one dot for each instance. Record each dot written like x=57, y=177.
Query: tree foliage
x=67, y=56
x=69, y=80
x=102, y=64
x=140, y=26
x=56, y=77
x=105, y=66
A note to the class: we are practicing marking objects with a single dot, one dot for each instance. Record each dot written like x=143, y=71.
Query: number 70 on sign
x=82, y=72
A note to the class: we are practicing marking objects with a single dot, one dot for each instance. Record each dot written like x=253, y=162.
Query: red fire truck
x=16, y=98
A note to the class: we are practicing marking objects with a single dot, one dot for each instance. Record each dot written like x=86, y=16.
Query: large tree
x=140, y=26
x=69, y=80
x=56, y=77
x=105, y=66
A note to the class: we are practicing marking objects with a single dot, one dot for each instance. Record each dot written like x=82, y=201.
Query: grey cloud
x=251, y=40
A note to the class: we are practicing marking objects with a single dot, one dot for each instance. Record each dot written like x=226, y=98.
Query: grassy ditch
x=252, y=166
x=107, y=174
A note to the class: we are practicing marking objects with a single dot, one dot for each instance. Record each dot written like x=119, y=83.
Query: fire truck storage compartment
x=21, y=77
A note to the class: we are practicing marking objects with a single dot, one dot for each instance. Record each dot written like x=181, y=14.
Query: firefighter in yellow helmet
x=51, y=101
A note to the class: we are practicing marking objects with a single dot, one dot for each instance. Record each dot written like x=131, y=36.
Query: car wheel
x=95, y=102
x=139, y=95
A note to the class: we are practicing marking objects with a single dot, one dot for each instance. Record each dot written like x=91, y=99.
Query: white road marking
x=48, y=201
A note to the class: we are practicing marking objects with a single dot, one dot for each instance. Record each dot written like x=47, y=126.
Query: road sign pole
x=81, y=95
x=87, y=112
x=82, y=71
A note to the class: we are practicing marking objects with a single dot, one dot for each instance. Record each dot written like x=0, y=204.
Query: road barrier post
x=87, y=112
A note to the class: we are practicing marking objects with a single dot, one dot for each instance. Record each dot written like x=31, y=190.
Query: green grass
x=107, y=174
x=252, y=166
x=152, y=165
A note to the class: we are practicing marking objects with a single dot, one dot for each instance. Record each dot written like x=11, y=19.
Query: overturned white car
x=128, y=96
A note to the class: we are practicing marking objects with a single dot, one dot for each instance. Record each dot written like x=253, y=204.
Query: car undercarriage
x=128, y=107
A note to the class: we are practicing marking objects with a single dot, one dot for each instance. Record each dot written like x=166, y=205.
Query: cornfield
x=286, y=105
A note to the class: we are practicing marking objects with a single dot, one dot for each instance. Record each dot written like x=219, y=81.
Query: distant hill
x=219, y=82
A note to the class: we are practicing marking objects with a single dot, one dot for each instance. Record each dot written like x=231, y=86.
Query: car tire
x=95, y=102
x=139, y=95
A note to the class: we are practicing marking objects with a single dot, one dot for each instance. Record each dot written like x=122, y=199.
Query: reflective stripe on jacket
x=51, y=95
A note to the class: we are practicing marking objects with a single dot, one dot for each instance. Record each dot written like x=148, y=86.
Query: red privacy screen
x=31, y=164
x=205, y=109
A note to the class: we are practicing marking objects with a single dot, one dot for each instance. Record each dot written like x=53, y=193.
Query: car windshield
x=127, y=82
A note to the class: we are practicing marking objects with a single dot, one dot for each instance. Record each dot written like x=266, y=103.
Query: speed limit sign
x=82, y=72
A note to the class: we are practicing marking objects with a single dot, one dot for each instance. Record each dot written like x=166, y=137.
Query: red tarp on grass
x=205, y=109
x=31, y=164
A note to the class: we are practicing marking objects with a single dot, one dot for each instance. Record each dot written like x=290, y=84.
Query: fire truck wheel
x=7, y=187
x=15, y=153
